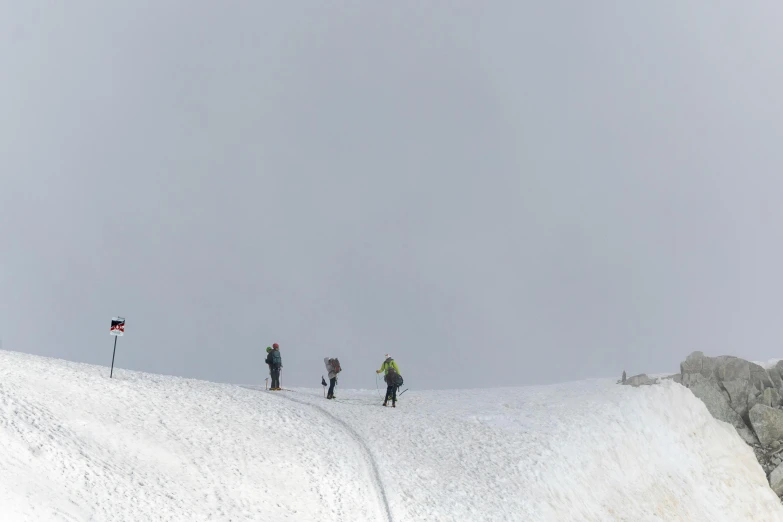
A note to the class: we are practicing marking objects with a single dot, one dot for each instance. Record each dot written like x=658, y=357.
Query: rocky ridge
x=742, y=393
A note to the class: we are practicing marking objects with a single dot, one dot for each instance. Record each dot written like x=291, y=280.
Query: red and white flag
x=117, y=326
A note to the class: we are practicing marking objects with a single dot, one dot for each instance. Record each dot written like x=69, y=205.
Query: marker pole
x=112, y=357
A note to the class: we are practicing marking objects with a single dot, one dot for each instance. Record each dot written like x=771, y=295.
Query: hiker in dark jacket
x=275, y=362
x=393, y=379
x=268, y=365
x=333, y=367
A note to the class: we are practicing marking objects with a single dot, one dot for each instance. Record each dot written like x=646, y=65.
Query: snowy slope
x=78, y=446
x=588, y=450
x=75, y=445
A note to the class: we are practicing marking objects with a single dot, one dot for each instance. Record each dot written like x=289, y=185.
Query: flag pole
x=112, y=357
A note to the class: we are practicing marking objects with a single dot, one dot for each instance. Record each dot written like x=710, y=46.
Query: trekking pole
x=266, y=383
x=406, y=389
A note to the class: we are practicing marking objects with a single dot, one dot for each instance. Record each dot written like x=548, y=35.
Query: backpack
x=274, y=356
x=336, y=365
x=393, y=378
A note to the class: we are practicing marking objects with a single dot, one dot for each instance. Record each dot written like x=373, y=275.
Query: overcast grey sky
x=497, y=193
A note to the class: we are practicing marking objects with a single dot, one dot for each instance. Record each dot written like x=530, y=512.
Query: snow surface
x=77, y=446
x=769, y=364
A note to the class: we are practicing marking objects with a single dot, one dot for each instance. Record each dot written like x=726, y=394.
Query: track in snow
x=354, y=435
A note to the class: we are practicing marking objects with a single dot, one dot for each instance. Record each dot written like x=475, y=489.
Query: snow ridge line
x=353, y=434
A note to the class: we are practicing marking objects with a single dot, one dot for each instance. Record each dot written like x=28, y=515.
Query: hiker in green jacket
x=391, y=374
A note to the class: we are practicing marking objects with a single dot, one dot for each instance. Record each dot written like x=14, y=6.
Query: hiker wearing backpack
x=275, y=362
x=333, y=367
x=268, y=365
x=392, y=378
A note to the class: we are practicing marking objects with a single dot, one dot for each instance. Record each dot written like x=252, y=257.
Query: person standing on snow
x=275, y=362
x=333, y=367
x=268, y=366
x=393, y=379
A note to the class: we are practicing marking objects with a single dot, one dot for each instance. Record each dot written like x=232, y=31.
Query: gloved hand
x=378, y=371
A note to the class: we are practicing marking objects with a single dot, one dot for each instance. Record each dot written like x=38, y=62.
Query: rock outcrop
x=767, y=423
x=719, y=405
x=776, y=480
x=640, y=380
x=743, y=394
